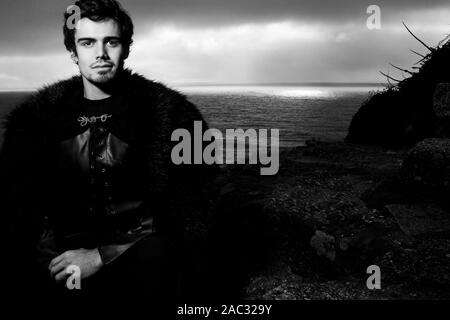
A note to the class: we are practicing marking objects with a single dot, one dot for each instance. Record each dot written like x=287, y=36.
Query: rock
x=420, y=219
x=324, y=245
x=424, y=266
x=441, y=107
x=315, y=207
x=384, y=192
x=427, y=164
x=367, y=237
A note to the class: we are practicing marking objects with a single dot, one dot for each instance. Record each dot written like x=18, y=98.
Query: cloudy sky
x=231, y=41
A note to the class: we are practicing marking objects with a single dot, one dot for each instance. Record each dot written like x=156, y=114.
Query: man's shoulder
x=38, y=107
x=159, y=99
x=138, y=86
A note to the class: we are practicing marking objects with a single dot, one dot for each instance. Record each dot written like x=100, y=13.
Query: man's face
x=99, y=51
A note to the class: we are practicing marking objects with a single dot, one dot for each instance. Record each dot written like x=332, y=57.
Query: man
x=86, y=174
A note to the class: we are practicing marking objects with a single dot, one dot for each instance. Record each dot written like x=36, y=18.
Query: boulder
x=427, y=165
x=421, y=218
x=324, y=245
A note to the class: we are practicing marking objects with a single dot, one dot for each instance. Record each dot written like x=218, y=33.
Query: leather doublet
x=100, y=196
x=95, y=153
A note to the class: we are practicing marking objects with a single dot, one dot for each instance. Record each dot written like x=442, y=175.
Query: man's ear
x=73, y=56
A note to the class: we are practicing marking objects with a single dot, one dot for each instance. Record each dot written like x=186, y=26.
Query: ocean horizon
x=262, y=84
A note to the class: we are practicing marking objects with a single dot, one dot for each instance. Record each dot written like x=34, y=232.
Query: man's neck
x=93, y=92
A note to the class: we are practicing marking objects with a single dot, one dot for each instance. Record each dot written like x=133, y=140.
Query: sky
x=231, y=41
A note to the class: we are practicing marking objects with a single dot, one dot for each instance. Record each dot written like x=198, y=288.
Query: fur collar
x=38, y=109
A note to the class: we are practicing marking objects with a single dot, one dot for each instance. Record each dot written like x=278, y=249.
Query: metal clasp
x=83, y=120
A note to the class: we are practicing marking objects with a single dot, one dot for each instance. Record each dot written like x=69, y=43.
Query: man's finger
x=61, y=276
x=56, y=260
x=58, y=267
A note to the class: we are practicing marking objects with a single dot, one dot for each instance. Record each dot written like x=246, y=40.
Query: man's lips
x=102, y=66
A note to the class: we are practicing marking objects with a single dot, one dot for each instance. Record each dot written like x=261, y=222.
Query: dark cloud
x=30, y=26
x=223, y=12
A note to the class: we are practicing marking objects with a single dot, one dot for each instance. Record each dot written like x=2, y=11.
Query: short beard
x=108, y=77
x=103, y=78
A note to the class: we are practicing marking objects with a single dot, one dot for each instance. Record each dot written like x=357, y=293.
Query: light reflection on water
x=278, y=91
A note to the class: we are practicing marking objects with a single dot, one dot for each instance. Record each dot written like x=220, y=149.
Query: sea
x=300, y=112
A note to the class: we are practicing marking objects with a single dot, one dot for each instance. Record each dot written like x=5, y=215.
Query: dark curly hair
x=99, y=10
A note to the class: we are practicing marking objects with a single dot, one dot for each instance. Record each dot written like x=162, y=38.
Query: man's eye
x=113, y=43
x=87, y=43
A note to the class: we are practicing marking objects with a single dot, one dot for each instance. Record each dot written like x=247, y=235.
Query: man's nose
x=101, y=53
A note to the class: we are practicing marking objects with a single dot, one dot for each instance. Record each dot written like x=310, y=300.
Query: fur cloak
x=180, y=193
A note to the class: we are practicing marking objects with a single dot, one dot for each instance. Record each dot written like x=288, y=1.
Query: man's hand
x=89, y=262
